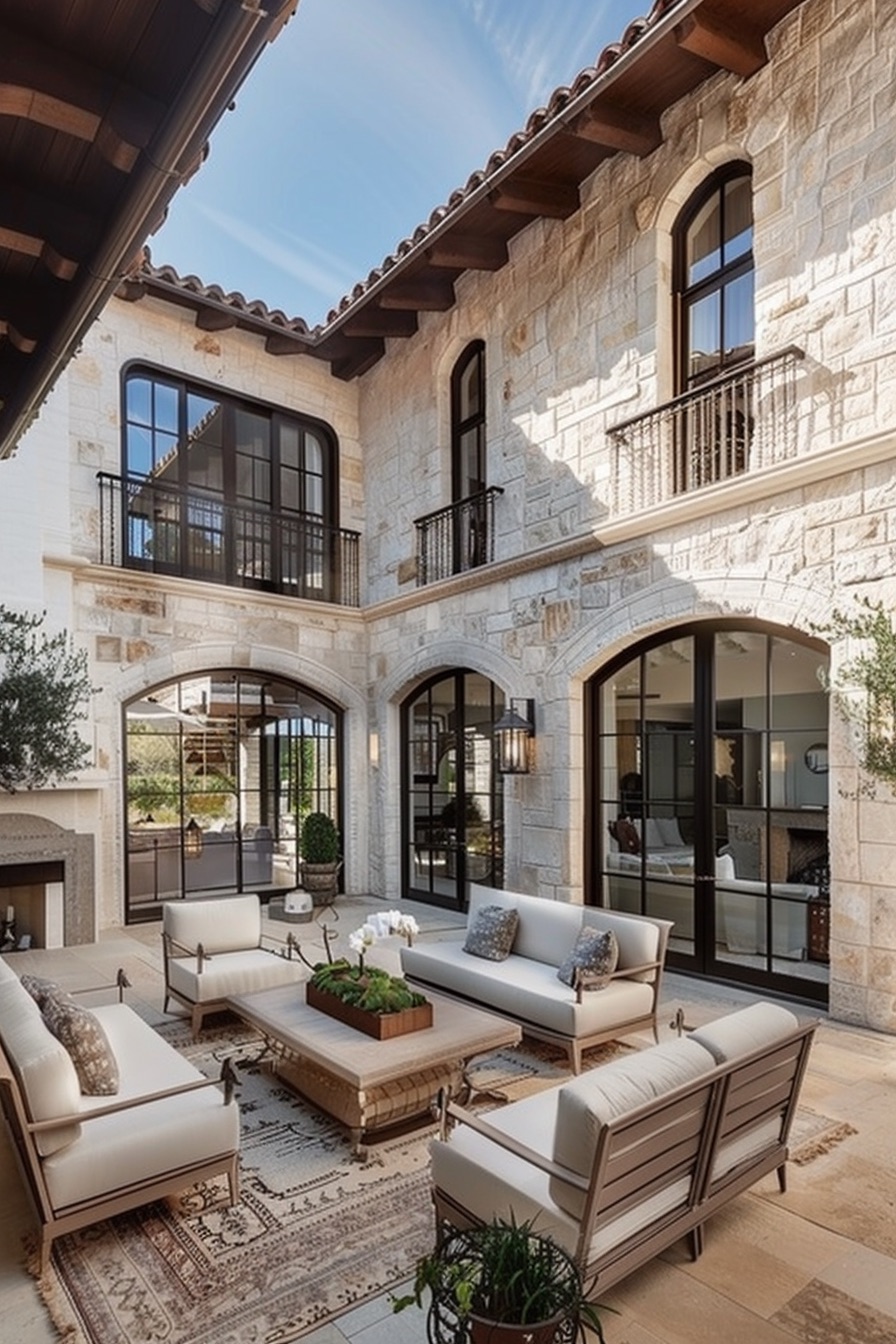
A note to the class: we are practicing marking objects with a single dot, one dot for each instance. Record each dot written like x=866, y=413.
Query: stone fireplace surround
x=28, y=839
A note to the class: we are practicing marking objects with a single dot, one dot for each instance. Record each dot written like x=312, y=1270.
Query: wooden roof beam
x=56, y=90
x=280, y=343
x=740, y=50
x=372, y=321
x=211, y=318
x=458, y=253
x=535, y=196
x=617, y=128
x=422, y=294
x=359, y=361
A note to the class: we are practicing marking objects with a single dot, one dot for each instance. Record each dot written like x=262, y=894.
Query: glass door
x=453, y=816
x=710, y=776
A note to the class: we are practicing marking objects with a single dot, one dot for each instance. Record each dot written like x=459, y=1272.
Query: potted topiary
x=319, y=851
x=502, y=1283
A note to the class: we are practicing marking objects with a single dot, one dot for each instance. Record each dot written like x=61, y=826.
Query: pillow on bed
x=595, y=952
x=492, y=932
x=670, y=832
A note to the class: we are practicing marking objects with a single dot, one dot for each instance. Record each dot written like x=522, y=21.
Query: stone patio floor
x=817, y=1264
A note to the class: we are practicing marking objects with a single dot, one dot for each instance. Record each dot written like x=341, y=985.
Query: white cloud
x=313, y=266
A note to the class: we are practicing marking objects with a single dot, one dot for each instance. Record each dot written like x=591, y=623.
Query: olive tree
x=44, y=688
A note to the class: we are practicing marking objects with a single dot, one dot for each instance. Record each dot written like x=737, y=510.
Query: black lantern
x=192, y=839
x=513, y=733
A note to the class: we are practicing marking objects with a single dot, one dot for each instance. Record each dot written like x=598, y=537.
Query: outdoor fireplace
x=46, y=883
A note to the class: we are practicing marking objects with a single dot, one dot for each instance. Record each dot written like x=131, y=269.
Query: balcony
x=166, y=530
x=738, y=422
x=457, y=538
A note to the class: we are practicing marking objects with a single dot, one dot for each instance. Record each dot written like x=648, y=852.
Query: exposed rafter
x=619, y=128
x=740, y=48
x=423, y=295
x=463, y=253
x=530, y=196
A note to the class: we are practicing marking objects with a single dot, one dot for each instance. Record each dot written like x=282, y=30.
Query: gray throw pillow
x=80, y=1032
x=41, y=989
x=595, y=952
x=492, y=933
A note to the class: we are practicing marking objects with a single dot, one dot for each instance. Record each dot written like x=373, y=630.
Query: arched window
x=468, y=476
x=715, y=326
x=222, y=768
x=714, y=277
x=708, y=759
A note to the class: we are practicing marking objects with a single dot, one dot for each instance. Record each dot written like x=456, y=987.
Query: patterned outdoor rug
x=314, y=1233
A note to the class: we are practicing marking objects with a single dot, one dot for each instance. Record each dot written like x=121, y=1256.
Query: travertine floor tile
x=866, y=1275
x=823, y=1313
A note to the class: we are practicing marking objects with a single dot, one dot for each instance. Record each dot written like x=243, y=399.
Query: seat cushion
x=143, y=1143
x=229, y=973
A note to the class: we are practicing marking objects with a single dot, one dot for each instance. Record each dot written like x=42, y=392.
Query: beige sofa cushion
x=589, y=1102
x=146, y=1142
x=228, y=973
x=748, y=1029
x=547, y=929
x=42, y=1064
x=226, y=924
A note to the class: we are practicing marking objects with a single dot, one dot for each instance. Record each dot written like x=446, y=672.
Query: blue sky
x=356, y=123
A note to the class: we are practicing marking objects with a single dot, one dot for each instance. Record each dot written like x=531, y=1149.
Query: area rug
x=314, y=1233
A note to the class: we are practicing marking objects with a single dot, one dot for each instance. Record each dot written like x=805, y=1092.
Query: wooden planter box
x=383, y=1026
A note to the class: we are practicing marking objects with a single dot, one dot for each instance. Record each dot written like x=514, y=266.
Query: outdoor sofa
x=525, y=986
x=150, y=1124
x=622, y=1161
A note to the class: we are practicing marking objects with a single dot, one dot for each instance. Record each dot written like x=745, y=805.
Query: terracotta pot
x=491, y=1332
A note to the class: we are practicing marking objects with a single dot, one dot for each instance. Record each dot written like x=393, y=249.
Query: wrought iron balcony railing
x=161, y=528
x=456, y=538
x=732, y=424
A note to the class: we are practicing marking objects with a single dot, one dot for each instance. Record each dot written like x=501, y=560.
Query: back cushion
x=752, y=1028
x=227, y=925
x=42, y=1065
x=547, y=929
x=590, y=1101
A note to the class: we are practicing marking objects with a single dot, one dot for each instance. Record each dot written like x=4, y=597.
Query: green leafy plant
x=506, y=1273
x=864, y=690
x=319, y=841
x=365, y=987
x=44, y=687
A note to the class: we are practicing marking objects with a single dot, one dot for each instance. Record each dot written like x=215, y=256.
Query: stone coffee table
x=366, y=1083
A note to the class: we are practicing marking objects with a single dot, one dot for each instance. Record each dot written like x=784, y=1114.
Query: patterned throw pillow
x=492, y=933
x=41, y=989
x=80, y=1032
x=595, y=952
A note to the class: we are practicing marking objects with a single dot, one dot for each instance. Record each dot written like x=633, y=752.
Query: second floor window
x=224, y=489
x=715, y=326
x=715, y=277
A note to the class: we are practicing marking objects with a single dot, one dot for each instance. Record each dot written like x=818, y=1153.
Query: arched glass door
x=710, y=773
x=453, y=814
x=221, y=770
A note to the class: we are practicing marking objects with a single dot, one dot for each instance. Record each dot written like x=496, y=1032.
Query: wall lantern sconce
x=192, y=839
x=514, y=732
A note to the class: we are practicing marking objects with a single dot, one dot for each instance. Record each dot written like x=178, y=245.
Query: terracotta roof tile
x=541, y=117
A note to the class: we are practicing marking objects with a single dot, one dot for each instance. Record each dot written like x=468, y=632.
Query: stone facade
x=578, y=337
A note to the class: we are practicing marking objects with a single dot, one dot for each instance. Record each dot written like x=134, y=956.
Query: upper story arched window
x=226, y=489
x=468, y=466
x=714, y=277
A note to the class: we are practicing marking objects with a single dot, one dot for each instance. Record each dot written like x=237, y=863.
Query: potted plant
x=367, y=997
x=319, y=851
x=504, y=1284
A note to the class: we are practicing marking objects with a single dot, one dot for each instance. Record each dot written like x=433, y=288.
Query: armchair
x=213, y=950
